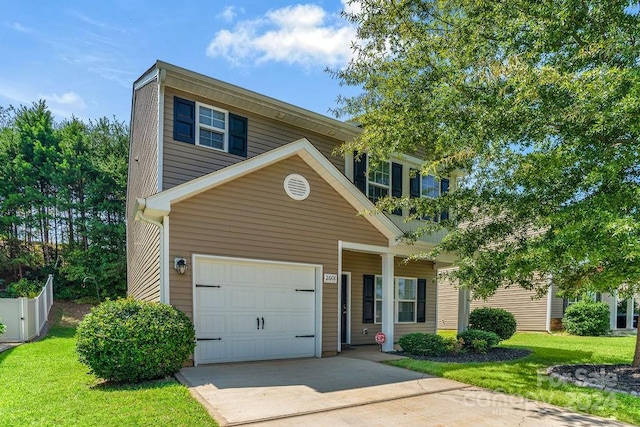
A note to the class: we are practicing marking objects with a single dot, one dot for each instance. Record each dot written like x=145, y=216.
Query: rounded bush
x=587, y=318
x=131, y=341
x=421, y=344
x=478, y=341
x=495, y=320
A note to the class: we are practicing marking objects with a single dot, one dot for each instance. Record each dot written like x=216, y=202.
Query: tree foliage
x=62, y=196
x=538, y=103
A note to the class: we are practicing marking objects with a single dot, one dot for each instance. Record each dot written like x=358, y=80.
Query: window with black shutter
x=184, y=120
x=421, y=309
x=368, y=300
x=237, y=135
x=208, y=126
x=444, y=189
x=360, y=171
x=396, y=184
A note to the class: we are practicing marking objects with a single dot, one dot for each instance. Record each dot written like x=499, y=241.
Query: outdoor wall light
x=180, y=264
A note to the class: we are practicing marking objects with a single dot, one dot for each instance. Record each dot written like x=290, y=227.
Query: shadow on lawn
x=113, y=386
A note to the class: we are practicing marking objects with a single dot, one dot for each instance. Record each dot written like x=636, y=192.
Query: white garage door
x=250, y=310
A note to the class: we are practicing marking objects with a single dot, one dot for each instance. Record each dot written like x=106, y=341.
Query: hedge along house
x=240, y=214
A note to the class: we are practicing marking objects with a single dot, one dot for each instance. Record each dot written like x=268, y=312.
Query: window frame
x=378, y=185
x=396, y=300
x=224, y=132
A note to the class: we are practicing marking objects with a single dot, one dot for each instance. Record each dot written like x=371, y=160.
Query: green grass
x=525, y=377
x=43, y=384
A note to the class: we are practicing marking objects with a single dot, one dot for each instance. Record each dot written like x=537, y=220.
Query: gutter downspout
x=141, y=216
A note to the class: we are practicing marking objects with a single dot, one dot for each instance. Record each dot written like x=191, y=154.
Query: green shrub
x=477, y=341
x=24, y=288
x=132, y=341
x=421, y=344
x=494, y=320
x=587, y=318
x=2, y=328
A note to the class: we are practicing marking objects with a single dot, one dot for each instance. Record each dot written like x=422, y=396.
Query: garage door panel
x=243, y=298
x=211, y=350
x=246, y=349
x=250, y=292
x=301, y=324
x=211, y=325
x=276, y=299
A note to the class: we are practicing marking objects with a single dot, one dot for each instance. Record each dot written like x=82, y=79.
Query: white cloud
x=229, y=13
x=354, y=7
x=302, y=34
x=19, y=27
x=67, y=99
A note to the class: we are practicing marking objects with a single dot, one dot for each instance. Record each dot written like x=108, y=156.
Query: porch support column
x=630, y=313
x=464, y=307
x=387, y=301
x=612, y=299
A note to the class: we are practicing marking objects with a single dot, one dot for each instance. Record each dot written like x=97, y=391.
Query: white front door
x=252, y=310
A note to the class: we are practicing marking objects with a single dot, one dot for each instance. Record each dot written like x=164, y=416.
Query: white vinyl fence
x=26, y=317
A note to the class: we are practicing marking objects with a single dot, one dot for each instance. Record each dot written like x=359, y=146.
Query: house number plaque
x=330, y=278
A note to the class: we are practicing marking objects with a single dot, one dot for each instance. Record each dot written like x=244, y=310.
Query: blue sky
x=83, y=56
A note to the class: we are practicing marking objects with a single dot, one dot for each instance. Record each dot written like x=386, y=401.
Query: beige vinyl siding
x=184, y=162
x=530, y=312
x=557, y=305
x=447, y=305
x=359, y=264
x=252, y=217
x=143, y=259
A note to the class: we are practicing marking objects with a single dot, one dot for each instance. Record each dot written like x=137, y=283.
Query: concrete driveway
x=350, y=391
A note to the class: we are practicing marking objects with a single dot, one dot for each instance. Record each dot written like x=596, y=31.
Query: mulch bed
x=618, y=378
x=497, y=354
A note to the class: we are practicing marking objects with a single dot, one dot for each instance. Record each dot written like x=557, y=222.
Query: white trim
x=165, y=264
x=340, y=302
x=318, y=290
x=361, y=247
x=146, y=79
x=159, y=204
x=224, y=132
x=388, y=303
x=549, y=306
x=160, y=135
x=339, y=346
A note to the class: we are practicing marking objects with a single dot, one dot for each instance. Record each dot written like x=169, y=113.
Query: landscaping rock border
x=610, y=378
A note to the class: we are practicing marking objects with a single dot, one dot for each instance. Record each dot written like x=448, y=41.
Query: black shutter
x=360, y=171
x=369, y=299
x=421, y=308
x=444, y=189
x=414, y=186
x=237, y=135
x=184, y=120
x=396, y=184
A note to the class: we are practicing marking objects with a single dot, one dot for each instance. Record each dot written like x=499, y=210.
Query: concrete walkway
x=356, y=390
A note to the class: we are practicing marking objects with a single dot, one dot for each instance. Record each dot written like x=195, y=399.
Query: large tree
x=538, y=101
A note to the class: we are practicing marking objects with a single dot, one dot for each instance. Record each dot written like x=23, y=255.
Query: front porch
x=380, y=291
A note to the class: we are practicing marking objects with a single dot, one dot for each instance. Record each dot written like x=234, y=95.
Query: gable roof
x=159, y=205
x=237, y=97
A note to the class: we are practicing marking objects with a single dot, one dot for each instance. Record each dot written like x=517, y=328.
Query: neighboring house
x=531, y=313
x=240, y=214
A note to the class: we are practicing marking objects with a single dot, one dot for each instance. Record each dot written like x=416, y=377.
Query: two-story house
x=240, y=214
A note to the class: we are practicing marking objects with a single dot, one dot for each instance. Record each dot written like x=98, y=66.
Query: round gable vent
x=297, y=186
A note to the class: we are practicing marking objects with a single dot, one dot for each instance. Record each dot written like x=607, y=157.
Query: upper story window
x=208, y=126
x=378, y=182
x=431, y=187
x=212, y=127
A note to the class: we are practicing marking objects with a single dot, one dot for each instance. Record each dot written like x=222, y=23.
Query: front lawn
x=43, y=384
x=525, y=377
